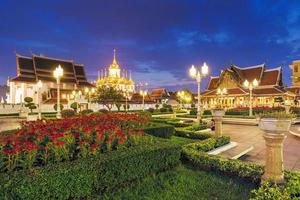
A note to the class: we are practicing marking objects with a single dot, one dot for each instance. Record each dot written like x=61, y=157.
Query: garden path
x=252, y=135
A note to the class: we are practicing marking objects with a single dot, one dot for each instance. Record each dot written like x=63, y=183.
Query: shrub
x=192, y=134
x=75, y=106
x=84, y=177
x=163, y=109
x=208, y=144
x=193, y=111
x=207, y=112
x=86, y=111
x=177, y=123
x=29, y=103
x=151, y=110
x=103, y=110
x=160, y=130
x=68, y=113
x=156, y=106
x=237, y=168
x=55, y=107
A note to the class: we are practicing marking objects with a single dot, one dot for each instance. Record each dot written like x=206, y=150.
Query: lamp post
x=39, y=86
x=250, y=86
x=143, y=93
x=126, y=94
x=221, y=93
x=180, y=94
x=88, y=93
x=58, y=73
x=198, y=74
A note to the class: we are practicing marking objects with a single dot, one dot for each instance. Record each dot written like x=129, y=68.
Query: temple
x=269, y=91
x=32, y=69
x=116, y=77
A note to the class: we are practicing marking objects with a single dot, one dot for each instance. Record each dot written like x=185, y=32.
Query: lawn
x=185, y=182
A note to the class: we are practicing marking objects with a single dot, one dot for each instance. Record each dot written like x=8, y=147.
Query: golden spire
x=114, y=63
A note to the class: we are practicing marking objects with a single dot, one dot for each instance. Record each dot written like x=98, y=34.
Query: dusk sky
x=157, y=40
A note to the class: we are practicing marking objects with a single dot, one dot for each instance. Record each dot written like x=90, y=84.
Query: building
x=269, y=92
x=159, y=95
x=116, y=77
x=295, y=87
x=32, y=69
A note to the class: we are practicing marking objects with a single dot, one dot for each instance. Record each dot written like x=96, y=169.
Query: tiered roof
x=270, y=81
x=32, y=69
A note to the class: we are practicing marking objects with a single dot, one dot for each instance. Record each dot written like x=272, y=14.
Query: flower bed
x=39, y=143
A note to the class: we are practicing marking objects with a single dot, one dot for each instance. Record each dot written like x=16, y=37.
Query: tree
x=55, y=107
x=186, y=98
x=74, y=106
x=29, y=103
x=107, y=95
x=118, y=105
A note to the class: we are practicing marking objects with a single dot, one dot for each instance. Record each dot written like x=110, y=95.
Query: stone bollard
x=218, y=116
x=274, y=135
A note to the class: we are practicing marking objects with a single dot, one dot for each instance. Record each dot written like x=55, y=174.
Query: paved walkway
x=252, y=135
x=9, y=123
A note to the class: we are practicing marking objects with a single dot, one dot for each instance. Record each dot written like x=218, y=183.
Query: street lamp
x=181, y=96
x=250, y=86
x=143, y=93
x=198, y=75
x=39, y=86
x=221, y=93
x=58, y=73
x=88, y=93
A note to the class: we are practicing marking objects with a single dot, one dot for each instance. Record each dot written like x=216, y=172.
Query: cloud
x=186, y=39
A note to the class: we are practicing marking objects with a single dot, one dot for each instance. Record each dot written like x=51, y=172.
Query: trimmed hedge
x=188, y=132
x=208, y=144
x=160, y=130
x=84, y=178
x=237, y=168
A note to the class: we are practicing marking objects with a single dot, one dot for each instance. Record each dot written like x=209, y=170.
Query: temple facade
x=229, y=88
x=36, y=68
x=116, y=77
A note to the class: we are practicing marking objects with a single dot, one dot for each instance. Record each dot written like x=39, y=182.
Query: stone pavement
x=252, y=135
x=8, y=123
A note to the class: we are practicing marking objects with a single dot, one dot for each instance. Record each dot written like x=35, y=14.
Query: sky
x=157, y=40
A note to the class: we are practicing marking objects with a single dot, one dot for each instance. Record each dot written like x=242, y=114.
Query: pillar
x=218, y=126
x=274, y=169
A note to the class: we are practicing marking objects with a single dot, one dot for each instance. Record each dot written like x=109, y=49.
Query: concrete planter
x=32, y=117
x=275, y=125
x=218, y=112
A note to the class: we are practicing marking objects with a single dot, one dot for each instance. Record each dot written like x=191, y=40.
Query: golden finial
x=115, y=60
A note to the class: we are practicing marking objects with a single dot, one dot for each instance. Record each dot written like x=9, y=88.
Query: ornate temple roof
x=114, y=64
x=32, y=69
x=270, y=81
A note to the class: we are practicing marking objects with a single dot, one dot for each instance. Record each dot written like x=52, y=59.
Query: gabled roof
x=32, y=69
x=271, y=77
x=249, y=73
x=213, y=83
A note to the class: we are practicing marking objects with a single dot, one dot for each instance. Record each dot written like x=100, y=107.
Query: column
x=274, y=157
x=218, y=126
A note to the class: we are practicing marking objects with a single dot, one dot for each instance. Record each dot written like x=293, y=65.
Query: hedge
x=185, y=132
x=84, y=178
x=208, y=144
x=245, y=170
x=160, y=130
x=237, y=168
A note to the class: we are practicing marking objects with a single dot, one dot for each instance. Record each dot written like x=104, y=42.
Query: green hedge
x=160, y=130
x=237, y=168
x=189, y=133
x=208, y=144
x=84, y=178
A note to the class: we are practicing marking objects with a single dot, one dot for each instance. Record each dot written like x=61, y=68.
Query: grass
x=185, y=182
